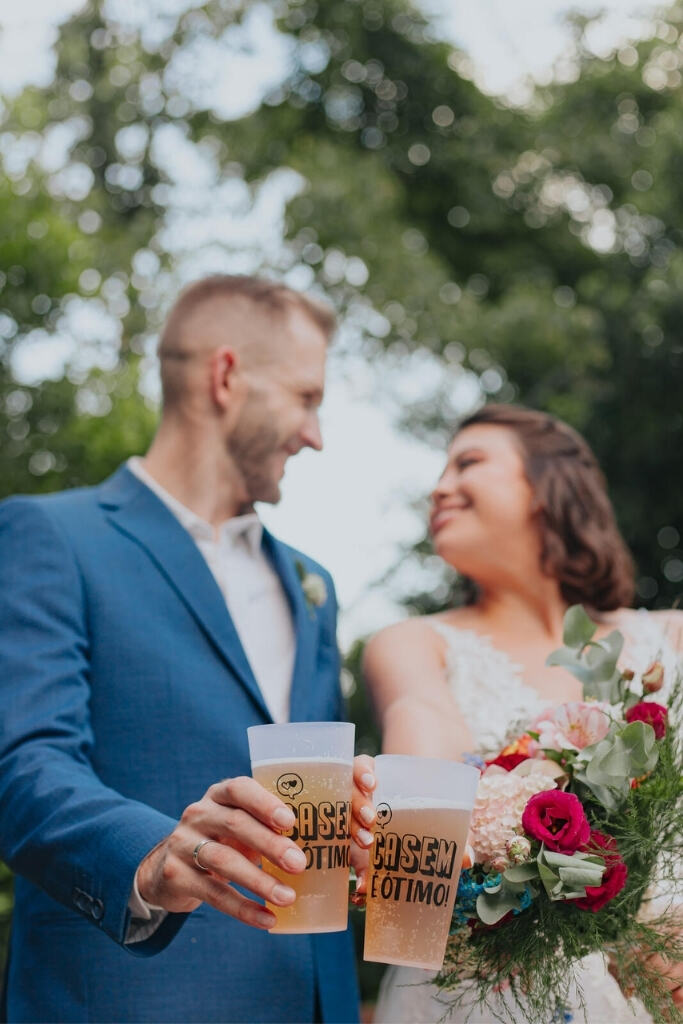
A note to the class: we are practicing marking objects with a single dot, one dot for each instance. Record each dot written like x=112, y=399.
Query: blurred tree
x=538, y=249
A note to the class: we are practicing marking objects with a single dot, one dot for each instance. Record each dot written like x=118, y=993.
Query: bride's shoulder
x=670, y=623
x=412, y=642
x=666, y=623
x=417, y=630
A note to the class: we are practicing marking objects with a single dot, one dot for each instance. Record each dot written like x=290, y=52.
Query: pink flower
x=498, y=808
x=614, y=878
x=651, y=713
x=653, y=677
x=572, y=726
x=558, y=820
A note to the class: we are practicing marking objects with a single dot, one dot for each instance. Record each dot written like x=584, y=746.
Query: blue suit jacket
x=124, y=693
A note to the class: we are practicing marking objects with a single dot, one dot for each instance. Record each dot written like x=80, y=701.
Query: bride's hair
x=581, y=544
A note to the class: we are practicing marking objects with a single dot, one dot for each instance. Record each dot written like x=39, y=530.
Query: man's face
x=280, y=413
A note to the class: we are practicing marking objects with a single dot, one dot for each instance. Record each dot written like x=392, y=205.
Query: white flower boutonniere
x=313, y=587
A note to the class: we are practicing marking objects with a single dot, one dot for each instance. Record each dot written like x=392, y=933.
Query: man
x=144, y=624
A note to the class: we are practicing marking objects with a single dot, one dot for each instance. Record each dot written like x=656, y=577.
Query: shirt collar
x=247, y=528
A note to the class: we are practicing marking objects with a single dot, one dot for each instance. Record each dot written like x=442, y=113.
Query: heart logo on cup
x=290, y=785
x=383, y=815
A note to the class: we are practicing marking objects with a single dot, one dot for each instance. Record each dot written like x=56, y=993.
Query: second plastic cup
x=423, y=813
x=309, y=765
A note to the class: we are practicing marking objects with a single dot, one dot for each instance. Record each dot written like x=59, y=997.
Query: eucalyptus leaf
x=579, y=876
x=522, y=872
x=492, y=890
x=598, y=687
x=492, y=907
x=608, y=798
x=578, y=627
x=607, y=767
x=641, y=742
x=566, y=876
x=551, y=881
x=607, y=650
x=568, y=659
x=564, y=860
x=569, y=894
x=629, y=753
x=552, y=755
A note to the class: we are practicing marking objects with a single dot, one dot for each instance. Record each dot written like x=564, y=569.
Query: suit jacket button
x=81, y=899
x=97, y=910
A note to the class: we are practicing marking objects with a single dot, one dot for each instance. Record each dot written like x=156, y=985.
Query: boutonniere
x=312, y=585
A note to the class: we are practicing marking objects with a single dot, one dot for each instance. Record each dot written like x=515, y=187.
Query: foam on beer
x=289, y=762
x=421, y=803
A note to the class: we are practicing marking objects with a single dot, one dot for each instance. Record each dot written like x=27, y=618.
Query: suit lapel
x=140, y=514
x=306, y=625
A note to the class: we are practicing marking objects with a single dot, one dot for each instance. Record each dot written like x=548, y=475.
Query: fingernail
x=282, y=894
x=368, y=780
x=265, y=919
x=367, y=815
x=283, y=817
x=364, y=837
x=294, y=859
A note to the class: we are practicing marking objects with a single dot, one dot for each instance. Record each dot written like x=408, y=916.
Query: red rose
x=651, y=713
x=508, y=761
x=614, y=878
x=557, y=819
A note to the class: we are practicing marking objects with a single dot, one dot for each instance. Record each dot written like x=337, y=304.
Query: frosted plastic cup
x=423, y=814
x=309, y=765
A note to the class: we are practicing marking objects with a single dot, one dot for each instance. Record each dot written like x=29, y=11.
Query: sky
x=350, y=506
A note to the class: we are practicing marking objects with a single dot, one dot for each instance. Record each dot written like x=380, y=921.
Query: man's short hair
x=273, y=300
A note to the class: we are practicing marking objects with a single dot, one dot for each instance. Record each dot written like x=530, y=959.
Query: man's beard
x=251, y=446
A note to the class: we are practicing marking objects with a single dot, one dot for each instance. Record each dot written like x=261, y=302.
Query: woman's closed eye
x=468, y=460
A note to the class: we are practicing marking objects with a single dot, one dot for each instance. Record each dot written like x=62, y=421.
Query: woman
x=522, y=511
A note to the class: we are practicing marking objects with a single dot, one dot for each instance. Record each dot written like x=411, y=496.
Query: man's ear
x=225, y=383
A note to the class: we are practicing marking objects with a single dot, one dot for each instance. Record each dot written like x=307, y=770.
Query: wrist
x=145, y=876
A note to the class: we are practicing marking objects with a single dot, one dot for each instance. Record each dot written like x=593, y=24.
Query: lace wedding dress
x=493, y=699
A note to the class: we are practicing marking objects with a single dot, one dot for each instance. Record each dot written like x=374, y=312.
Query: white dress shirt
x=258, y=606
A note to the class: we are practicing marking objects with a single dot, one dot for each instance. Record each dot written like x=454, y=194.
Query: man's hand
x=243, y=822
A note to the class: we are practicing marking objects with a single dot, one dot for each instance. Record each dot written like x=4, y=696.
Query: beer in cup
x=423, y=813
x=309, y=766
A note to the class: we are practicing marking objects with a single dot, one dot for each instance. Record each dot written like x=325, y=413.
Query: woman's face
x=482, y=505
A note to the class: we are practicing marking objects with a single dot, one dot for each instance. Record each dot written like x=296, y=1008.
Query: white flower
x=518, y=849
x=498, y=808
x=314, y=589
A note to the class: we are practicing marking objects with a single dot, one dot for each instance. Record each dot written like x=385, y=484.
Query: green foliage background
x=537, y=252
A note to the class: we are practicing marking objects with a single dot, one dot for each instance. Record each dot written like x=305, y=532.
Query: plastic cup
x=309, y=765
x=423, y=814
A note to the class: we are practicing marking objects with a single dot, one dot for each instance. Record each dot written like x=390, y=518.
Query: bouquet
x=575, y=824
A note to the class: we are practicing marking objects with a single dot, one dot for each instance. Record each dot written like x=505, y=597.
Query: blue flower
x=475, y=760
x=525, y=899
x=561, y=1015
x=468, y=891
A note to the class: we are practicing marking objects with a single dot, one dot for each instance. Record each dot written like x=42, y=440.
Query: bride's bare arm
x=405, y=671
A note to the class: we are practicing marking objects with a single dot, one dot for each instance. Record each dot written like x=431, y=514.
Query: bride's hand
x=671, y=973
x=362, y=816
